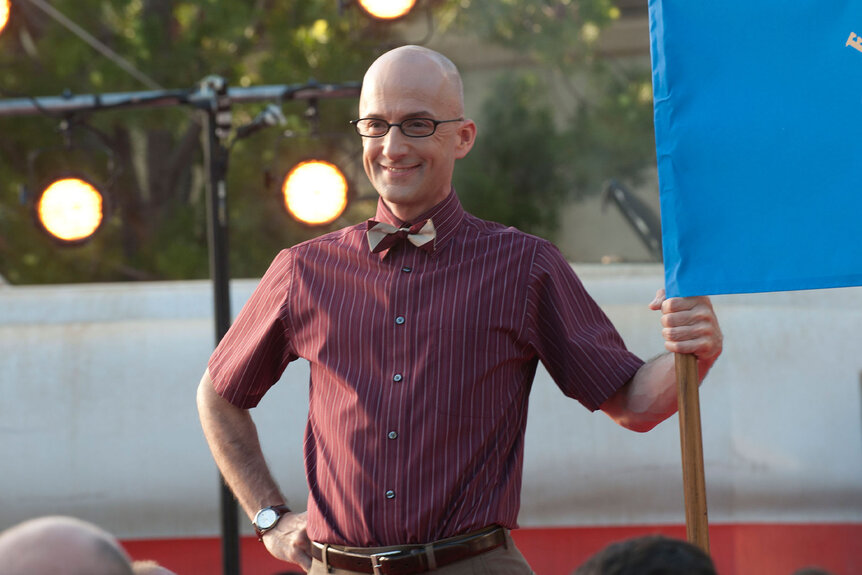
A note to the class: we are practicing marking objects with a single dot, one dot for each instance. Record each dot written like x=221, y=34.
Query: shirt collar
x=446, y=215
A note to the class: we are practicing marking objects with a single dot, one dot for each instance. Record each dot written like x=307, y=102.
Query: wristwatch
x=267, y=518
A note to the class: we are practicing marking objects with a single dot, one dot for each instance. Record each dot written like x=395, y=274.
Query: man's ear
x=466, y=138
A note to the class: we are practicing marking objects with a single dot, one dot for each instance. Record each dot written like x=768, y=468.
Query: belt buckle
x=377, y=560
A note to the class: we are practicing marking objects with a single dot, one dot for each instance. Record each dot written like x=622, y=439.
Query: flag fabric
x=758, y=120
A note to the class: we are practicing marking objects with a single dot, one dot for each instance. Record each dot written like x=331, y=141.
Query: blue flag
x=758, y=120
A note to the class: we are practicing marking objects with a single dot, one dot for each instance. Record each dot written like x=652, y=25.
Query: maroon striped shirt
x=421, y=367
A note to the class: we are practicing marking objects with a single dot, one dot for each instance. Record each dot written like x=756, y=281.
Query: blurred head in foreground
x=650, y=555
x=61, y=545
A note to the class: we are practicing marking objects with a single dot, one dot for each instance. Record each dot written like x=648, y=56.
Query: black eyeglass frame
x=389, y=126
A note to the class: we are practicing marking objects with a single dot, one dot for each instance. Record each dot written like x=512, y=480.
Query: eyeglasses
x=412, y=128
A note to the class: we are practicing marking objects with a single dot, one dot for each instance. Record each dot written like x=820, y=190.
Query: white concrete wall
x=97, y=415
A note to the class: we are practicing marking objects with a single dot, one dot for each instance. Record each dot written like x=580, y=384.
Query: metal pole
x=68, y=102
x=217, y=121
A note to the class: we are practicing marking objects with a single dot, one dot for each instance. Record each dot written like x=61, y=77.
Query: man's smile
x=398, y=170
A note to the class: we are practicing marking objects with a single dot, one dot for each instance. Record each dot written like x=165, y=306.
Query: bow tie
x=382, y=236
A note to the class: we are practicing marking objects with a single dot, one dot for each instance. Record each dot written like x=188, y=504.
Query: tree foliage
x=152, y=158
x=542, y=152
x=515, y=174
x=157, y=228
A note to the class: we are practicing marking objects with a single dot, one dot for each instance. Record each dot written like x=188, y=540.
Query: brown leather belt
x=409, y=559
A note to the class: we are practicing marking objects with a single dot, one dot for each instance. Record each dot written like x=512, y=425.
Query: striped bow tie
x=382, y=236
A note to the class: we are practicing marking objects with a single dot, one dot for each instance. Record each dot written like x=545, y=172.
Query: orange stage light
x=71, y=210
x=315, y=192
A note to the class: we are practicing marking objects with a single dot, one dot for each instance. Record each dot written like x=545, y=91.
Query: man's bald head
x=423, y=69
x=52, y=545
x=410, y=84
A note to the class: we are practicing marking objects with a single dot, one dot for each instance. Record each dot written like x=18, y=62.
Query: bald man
x=61, y=546
x=423, y=328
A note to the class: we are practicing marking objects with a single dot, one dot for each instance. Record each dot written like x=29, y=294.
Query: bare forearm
x=233, y=440
x=651, y=395
x=689, y=325
x=648, y=398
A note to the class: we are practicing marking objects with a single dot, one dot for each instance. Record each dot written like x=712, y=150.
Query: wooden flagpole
x=691, y=443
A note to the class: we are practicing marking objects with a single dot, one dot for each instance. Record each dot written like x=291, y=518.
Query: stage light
x=315, y=192
x=387, y=9
x=70, y=210
x=4, y=14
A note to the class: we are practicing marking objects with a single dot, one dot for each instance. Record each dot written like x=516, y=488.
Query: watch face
x=266, y=518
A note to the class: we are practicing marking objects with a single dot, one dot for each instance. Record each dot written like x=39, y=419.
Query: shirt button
x=390, y=494
x=392, y=435
x=406, y=269
x=400, y=320
x=397, y=377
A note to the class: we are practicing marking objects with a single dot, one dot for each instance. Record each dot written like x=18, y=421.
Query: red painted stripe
x=738, y=549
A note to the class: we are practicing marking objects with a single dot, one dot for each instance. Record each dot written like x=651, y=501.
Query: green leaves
x=558, y=131
x=157, y=229
x=515, y=173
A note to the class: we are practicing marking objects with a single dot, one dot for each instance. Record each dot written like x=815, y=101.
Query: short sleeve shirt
x=421, y=368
